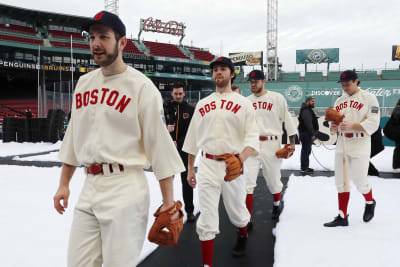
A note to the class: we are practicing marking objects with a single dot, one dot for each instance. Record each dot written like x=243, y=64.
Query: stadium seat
x=390, y=74
x=313, y=77
x=66, y=35
x=131, y=48
x=164, y=50
x=367, y=75
x=68, y=45
x=334, y=76
x=17, y=39
x=291, y=76
x=202, y=55
x=17, y=28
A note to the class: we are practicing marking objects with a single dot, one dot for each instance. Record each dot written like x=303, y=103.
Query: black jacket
x=392, y=127
x=179, y=114
x=308, y=121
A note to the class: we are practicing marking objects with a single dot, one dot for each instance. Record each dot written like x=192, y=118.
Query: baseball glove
x=333, y=116
x=234, y=166
x=167, y=238
x=285, y=152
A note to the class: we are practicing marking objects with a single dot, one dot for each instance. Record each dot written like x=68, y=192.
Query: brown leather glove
x=163, y=220
x=234, y=166
x=285, y=152
x=333, y=116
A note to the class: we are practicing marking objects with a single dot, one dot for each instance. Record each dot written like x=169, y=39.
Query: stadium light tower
x=272, y=40
x=112, y=6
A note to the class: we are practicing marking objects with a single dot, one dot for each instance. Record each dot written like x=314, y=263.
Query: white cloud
x=364, y=30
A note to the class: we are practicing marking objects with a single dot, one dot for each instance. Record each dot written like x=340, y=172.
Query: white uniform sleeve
x=287, y=119
x=157, y=143
x=67, y=153
x=252, y=135
x=190, y=145
x=371, y=122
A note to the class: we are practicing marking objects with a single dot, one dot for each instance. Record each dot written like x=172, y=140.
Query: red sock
x=207, y=251
x=343, y=202
x=243, y=231
x=277, y=197
x=249, y=202
x=368, y=196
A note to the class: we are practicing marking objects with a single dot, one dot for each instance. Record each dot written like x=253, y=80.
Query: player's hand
x=313, y=138
x=191, y=178
x=292, y=146
x=334, y=127
x=61, y=194
x=167, y=206
x=346, y=127
x=171, y=127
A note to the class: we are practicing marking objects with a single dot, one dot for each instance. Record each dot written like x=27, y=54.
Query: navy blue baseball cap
x=256, y=75
x=223, y=61
x=348, y=75
x=109, y=19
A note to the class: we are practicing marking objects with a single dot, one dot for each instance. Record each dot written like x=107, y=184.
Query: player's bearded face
x=222, y=76
x=103, y=45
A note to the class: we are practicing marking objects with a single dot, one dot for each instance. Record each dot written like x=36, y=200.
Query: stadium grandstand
x=43, y=54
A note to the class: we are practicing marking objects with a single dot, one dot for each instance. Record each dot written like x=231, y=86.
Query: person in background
x=376, y=148
x=308, y=128
x=236, y=89
x=178, y=114
x=392, y=131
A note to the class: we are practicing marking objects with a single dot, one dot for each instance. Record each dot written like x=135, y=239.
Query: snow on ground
x=32, y=233
x=324, y=154
x=302, y=241
x=14, y=148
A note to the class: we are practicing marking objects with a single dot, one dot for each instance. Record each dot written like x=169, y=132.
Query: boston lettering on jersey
x=228, y=105
x=104, y=96
x=353, y=104
x=263, y=105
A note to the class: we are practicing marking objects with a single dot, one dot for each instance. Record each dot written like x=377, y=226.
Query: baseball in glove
x=234, y=166
x=333, y=116
x=167, y=238
x=285, y=152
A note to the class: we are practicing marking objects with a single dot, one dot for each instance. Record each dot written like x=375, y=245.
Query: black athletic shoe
x=338, y=221
x=240, y=247
x=190, y=217
x=307, y=170
x=276, y=211
x=369, y=211
x=250, y=226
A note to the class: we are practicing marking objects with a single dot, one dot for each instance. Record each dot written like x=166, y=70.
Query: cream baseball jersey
x=271, y=111
x=361, y=107
x=222, y=123
x=118, y=119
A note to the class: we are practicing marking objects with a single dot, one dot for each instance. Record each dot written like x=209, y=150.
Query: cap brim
x=87, y=24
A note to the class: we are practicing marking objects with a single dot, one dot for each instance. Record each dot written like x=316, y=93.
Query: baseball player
x=116, y=129
x=271, y=111
x=361, y=119
x=223, y=123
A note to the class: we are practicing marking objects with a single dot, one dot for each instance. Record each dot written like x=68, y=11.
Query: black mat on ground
x=260, y=246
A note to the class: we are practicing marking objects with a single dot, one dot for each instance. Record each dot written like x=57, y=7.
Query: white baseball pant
x=211, y=184
x=357, y=172
x=271, y=167
x=110, y=220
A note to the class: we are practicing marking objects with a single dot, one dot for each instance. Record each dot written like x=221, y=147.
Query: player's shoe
x=190, y=217
x=369, y=211
x=250, y=226
x=338, y=221
x=276, y=211
x=307, y=170
x=240, y=247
